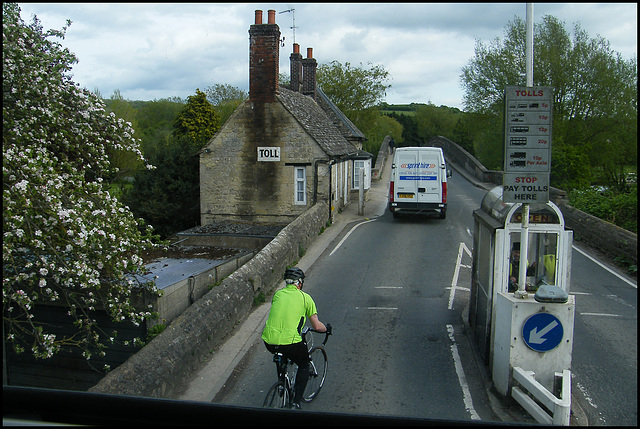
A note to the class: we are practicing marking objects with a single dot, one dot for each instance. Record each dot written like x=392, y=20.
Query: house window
x=301, y=186
x=357, y=165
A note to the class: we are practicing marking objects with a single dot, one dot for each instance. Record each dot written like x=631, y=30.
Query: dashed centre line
x=378, y=308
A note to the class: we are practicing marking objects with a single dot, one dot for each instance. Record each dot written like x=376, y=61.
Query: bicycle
x=280, y=395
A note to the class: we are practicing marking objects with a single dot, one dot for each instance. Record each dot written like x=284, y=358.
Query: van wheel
x=395, y=215
x=443, y=214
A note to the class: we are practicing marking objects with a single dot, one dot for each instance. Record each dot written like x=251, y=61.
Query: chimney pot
x=309, y=65
x=296, y=68
x=264, y=42
x=272, y=17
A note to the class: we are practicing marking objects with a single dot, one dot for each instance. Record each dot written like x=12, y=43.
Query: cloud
x=159, y=50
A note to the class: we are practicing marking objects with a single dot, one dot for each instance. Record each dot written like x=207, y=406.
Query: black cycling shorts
x=297, y=352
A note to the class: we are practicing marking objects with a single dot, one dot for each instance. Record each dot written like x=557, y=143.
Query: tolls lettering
x=529, y=93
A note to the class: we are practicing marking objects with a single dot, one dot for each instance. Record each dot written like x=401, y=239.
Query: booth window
x=542, y=258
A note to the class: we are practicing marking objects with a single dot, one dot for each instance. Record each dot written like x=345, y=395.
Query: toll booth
x=532, y=332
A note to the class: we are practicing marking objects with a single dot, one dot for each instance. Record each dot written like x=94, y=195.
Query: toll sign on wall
x=268, y=154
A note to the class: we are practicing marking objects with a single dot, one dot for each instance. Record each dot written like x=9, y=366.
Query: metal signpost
x=527, y=156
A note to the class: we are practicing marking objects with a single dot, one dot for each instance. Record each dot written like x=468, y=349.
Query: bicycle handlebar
x=327, y=332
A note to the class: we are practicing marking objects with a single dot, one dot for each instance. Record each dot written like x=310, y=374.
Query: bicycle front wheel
x=277, y=396
x=318, y=373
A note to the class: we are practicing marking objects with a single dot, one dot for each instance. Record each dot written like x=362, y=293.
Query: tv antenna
x=293, y=16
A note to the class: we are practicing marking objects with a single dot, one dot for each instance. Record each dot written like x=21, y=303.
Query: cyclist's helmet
x=294, y=273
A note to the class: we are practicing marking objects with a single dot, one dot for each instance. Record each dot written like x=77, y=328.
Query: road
x=605, y=350
x=396, y=292
x=400, y=346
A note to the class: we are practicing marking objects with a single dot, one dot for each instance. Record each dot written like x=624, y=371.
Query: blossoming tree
x=66, y=240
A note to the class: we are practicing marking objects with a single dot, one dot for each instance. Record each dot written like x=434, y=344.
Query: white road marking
x=606, y=268
x=454, y=282
x=378, y=308
x=348, y=234
x=601, y=314
x=466, y=393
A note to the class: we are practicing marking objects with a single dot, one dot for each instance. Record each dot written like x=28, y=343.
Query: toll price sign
x=527, y=156
x=529, y=160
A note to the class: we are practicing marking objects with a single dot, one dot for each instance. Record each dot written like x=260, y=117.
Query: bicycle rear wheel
x=318, y=369
x=277, y=396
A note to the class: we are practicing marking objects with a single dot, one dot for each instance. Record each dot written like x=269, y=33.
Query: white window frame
x=300, y=182
x=357, y=164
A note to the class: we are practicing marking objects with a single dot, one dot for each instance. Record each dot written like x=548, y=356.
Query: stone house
x=283, y=149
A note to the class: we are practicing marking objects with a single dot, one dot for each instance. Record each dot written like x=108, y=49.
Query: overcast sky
x=158, y=50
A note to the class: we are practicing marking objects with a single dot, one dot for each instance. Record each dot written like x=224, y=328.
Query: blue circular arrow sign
x=542, y=332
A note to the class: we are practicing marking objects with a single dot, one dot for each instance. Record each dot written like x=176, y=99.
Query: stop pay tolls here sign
x=527, y=159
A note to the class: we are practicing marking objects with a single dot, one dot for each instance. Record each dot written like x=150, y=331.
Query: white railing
x=560, y=408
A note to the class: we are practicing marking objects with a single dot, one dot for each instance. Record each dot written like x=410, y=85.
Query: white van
x=418, y=181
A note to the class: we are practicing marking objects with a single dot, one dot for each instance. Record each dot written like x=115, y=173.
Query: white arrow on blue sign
x=542, y=332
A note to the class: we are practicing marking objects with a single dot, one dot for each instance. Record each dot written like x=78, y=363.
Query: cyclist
x=290, y=307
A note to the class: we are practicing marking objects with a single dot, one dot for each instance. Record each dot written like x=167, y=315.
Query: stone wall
x=376, y=171
x=160, y=368
x=177, y=297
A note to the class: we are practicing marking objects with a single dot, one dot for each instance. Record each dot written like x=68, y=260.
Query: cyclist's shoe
x=295, y=406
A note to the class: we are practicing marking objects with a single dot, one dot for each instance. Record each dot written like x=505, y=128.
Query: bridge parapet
x=160, y=369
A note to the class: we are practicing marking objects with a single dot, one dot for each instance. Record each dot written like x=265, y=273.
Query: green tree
x=155, y=122
x=126, y=162
x=353, y=89
x=168, y=197
x=218, y=94
x=66, y=240
x=595, y=92
x=435, y=121
x=357, y=92
x=198, y=119
x=225, y=98
x=409, y=130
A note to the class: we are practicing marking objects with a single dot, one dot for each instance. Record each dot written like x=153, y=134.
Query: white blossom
x=61, y=232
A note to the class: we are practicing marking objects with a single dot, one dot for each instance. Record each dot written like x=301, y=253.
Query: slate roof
x=316, y=122
x=348, y=129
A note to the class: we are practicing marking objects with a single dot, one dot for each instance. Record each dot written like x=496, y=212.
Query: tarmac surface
x=212, y=377
x=208, y=382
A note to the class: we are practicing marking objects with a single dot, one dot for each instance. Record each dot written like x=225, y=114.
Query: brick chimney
x=309, y=66
x=296, y=68
x=264, y=54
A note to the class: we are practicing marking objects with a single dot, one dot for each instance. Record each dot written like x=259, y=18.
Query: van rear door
x=428, y=183
x=417, y=178
x=406, y=185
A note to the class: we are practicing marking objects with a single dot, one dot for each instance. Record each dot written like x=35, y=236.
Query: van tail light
x=444, y=192
x=391, y=191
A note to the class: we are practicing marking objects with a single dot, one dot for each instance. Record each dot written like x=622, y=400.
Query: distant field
x=399, y=109
x=399, y=112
